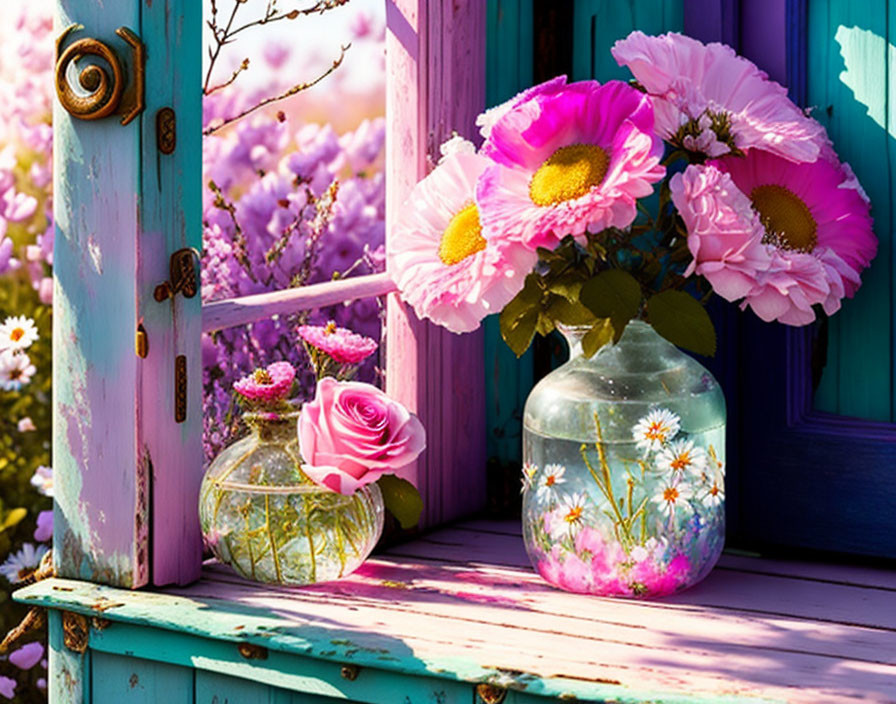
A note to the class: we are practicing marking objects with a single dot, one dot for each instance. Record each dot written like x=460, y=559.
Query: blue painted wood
x=848, y=47
x=68, y=680
x=216, y=688
x=509, y=43
x=101, y=491
x=128, y=680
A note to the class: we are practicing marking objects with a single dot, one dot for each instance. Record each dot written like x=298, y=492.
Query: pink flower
x=27, y=656
x=44, y=530
x=267, y=385
x=444, y=263
x=568, y=161
x=341, y=344
x=352, y=433
x=689, y=81
x=781, y=236
x=817, y=232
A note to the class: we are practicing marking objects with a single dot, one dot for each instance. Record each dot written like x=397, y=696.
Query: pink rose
x=352, y=433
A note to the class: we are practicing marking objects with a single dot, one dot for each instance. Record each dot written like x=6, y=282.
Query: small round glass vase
x=623, y=469
x=261, y=515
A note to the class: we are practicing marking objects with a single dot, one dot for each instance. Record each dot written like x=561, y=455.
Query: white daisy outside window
x=16, y=370
x=17, y=333
x=21, y=564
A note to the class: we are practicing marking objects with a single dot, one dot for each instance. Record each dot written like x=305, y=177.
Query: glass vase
x=262, y=516
x=623, y=474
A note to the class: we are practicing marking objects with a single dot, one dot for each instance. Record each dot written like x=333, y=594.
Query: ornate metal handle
x=104, y=92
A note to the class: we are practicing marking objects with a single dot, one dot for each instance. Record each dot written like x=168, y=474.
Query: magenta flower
x=341, y=344
x=27, y=656
x=267, y=385
x=352, y=433
x=698, y=87
x=569, y=161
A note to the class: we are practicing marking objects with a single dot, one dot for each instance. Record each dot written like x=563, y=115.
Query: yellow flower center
x=17, y=334
x=262, y=377
x=550, y=480
x=787, y=219
x=462, y=238
x=575, y=513
x=569, y=173
x=680, y=462
x=656, y=431
x=715, y=490
x=670, y=494
x=331, y=328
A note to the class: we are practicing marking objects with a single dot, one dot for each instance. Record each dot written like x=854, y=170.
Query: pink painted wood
x=247, y=309
x=464, y=604
x=435, y=53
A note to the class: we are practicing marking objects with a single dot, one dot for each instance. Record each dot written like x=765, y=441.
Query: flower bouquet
x=612, y=212
x=301, y=499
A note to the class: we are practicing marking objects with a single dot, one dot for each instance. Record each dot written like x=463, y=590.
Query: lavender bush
x=290, y=201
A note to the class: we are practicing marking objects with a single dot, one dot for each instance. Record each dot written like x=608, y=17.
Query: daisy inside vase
x=623, y=487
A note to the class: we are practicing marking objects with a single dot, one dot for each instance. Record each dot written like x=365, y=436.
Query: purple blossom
x=7, y=687
x=44, y=530
x=27, y=656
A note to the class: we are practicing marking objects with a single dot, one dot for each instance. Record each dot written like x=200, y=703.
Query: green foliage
x=681, y=319
x=402, y=499
x=21, y=453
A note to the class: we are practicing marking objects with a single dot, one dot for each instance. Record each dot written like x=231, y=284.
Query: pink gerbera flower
x=267, y=385
x=341, y=344
x=803, y=240
x=708, y=99
x=441, y=259
x=569, y=160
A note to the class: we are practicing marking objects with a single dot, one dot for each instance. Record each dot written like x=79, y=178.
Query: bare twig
x=242, y=67
x=298, y=88
x=240, y=247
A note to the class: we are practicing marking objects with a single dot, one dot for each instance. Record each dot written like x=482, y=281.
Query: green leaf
x=679, y=318
x=613, y=294
x=598, y=336
x=544, y=325
x=567, y=287
x=568, y=312
x=520, y=316
x=402, y=499
x=13, y=518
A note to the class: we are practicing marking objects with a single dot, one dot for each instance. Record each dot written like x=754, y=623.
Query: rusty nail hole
x=252, y=652
x=350, y=672
x=490, y=693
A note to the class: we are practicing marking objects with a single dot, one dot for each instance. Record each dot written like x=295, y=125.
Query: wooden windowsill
x=463, y=604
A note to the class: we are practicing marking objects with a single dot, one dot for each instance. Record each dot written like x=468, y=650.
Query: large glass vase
x=624, y=457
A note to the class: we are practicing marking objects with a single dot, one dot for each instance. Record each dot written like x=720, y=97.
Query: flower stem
x=309, y=535
x=267, y=527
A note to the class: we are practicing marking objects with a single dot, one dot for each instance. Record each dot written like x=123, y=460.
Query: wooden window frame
x=127, y=472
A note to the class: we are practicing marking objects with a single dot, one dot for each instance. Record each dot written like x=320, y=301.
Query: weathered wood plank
x=68, y=680
x=170, y=220
x=239, y=311
x=743, y=633
x=217, y=688
x=129, y=680
x=101, y=491
x=435, y=84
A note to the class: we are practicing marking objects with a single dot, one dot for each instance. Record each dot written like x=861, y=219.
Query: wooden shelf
x=462, y=605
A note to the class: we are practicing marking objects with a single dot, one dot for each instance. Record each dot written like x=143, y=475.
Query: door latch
x=183, y=273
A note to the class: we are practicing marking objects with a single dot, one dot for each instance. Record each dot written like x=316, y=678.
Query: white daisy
x=17, y=333
x=714, y=495
x=16, y=370
x=672, y=496
x=529, y=472
x=550, y=478
x=570, y=515
x=43, y=480
x=20, y=565
x=681, y=457
x=655, y=429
